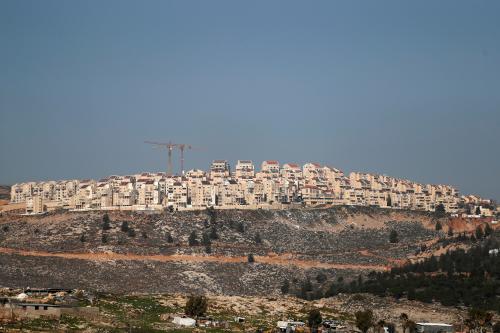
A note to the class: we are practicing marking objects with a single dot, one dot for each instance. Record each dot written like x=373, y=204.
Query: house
x=289, y=325
x=13, y=309
x=244, y=169
x=270, y=166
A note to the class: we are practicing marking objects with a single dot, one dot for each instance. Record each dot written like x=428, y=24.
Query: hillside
x=152, y=252
x=4, y=194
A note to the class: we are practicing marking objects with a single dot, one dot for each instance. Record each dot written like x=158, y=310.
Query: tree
x=131, y=232
x=479, y=232
x=393, y=236
x=192, y=241
x=496, y=327
x=364, y=320
x=440, y=210
x=285, y=287
x=82, y=238
x=169, y=238
x=411, y=326
x=314, y=318
x=213, y=233
x=478, y=318
x=379, y=327
x=438, y=226
x=212, y=214
x=105, y=222
x=403, y=317
x=251, y=259
x=487, y=230
x=104, y=238
x=196, y=306
x=478, y=210
x=124, y=226
x=205, y=239
x=257, y=238
x=321, y=277
x=391, y=327
x=450, y=231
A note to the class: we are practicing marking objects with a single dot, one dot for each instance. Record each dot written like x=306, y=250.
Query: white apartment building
x=310, y=185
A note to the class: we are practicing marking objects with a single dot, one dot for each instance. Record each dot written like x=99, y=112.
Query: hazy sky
x=409, y=89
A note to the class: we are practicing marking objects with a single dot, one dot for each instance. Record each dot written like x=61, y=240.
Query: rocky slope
x=294, y=245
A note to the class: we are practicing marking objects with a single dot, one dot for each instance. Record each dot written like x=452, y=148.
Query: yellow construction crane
x=170, y=146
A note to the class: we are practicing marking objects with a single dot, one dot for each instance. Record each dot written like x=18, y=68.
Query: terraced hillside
x=154, y=253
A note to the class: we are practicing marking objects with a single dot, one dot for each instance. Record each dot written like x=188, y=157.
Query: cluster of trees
x=106, y=225
x=470, y=278
x=458, y=277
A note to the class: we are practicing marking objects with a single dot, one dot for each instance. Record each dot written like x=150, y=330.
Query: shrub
x=240, y=227
x=251, y=258
x=364, y=320
x=131, y=232
x=192, y=241
x=479, y=232
x=258, y=240
x=438, y=226
x=393, y=236
x=321, y=277
x=205, y=240
x=440, y=211
x=104, y=238
x=213, y=233
x=285, y=287
x=212, y=214
x=196, y=306
x=487, y=230
x=82, y=238
x=496, y=327
x=391, y=327
x=314, y=318
x=169, y=238
x=105, y=222
x=124, y=226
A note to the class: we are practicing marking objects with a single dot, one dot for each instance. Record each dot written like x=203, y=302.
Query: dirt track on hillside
x=282, y=260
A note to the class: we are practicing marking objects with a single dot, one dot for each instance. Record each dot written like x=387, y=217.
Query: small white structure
x=22, y=296
x=283, y=325
x=434, y=328
x=493, y=252
x=186, y=322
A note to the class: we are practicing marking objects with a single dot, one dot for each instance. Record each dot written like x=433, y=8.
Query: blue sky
x=409, y=89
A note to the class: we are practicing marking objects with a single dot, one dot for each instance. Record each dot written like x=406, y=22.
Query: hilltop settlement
x=274, y=186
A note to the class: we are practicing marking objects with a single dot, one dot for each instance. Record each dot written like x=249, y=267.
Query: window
x=36, y=307
x=45, y=307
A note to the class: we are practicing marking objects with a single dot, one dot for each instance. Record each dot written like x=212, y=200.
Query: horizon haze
x=410, y=90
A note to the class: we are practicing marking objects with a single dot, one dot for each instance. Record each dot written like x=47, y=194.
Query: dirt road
x=274, y=259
